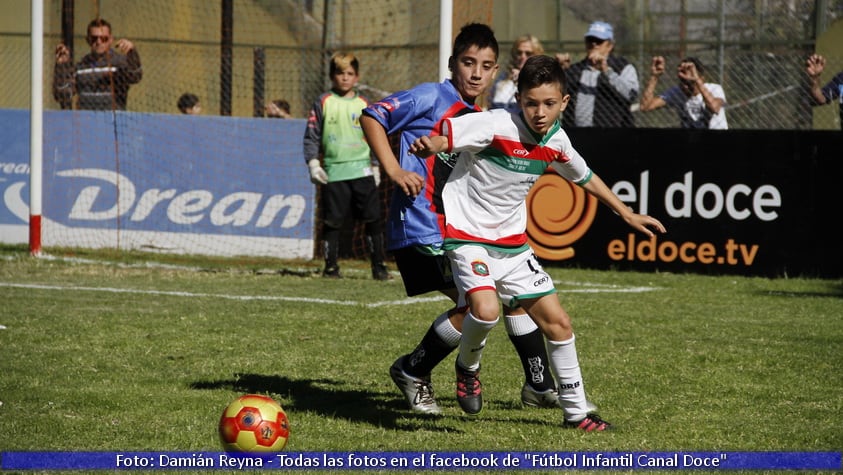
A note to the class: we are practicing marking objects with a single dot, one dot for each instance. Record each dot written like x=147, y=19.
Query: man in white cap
x=603, y=87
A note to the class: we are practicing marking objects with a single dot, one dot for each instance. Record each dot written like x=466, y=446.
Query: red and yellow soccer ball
x=254, y=423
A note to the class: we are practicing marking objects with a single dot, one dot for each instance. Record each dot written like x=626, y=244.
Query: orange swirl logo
x=559, y=213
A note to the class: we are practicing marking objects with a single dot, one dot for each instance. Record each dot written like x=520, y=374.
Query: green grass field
x=106, y=352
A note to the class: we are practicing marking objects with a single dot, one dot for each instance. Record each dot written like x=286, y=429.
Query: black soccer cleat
x=380, y=272
x=332, y=272
x=469, y=390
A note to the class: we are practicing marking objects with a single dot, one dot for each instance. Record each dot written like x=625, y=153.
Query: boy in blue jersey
x=414, y=227
x=349, y=178
x=503, y=155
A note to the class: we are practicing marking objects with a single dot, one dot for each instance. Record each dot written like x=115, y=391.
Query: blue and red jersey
x=413, y=113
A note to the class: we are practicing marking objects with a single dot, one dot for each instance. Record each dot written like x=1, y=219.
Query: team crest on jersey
x=480, y=268
x=449, y=159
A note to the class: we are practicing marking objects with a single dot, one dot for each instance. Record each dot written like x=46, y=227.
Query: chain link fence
x=754, y=49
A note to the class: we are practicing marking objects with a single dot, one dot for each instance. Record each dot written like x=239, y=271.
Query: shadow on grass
x=389, y=411
x=322, y=396
x=835, y=290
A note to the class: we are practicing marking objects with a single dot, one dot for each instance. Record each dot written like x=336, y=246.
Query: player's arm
x=411, y=183
x=134, y=70
x=312, y=145
x=814, y=66
x=625, y=83
x=649, y=99
x=64, y=81
x=597, y=187
x=425, y=146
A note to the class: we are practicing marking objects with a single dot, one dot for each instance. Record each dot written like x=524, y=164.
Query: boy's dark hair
x=541, y=69
x=186, y=101
x=474, y=34
x=341, y=60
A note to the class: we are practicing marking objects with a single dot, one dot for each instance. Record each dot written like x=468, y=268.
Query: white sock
x=517, y=325
x=566, y=367
x=446, y=331
x=473, y=340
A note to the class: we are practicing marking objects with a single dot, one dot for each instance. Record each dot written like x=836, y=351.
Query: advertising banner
x=744, y=202
x=733, y=202
x=187, y=184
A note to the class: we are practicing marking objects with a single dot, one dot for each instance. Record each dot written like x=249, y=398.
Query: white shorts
x=515, y=276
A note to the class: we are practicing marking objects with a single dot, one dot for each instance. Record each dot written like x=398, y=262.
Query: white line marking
x=407, y=301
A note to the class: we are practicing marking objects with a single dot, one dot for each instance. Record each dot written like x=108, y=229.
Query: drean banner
x=159, y=182
x=742, y=202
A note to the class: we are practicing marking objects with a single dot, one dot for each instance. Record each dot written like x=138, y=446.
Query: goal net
x=229, y=181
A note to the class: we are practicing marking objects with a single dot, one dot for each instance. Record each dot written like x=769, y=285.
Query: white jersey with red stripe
x=485, y=196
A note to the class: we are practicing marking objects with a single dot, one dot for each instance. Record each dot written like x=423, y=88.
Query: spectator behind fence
x=278, y=109
x=602, y=86
x=814, y=67
x=348, y=178
x=699, y=104
x=189, y=104
x=502, y=95
x=102, y=78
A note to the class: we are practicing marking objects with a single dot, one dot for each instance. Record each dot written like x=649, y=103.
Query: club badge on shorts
x=480, y=268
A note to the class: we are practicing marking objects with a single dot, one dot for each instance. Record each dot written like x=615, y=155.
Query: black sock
x=429, y=353
x=533, y=355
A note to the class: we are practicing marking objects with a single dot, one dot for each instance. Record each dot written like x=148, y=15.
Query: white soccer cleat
x=418, y=391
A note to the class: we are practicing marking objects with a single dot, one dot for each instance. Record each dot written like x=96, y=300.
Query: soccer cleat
x=380, y=272
x=418, y=391
x=591, y=423
x=332, y=272
x=547, y=399
x=469, y=391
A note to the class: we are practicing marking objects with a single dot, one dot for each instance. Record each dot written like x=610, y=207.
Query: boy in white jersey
x=486, y=221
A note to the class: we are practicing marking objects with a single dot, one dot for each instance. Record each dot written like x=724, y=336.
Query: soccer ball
x=254, y=423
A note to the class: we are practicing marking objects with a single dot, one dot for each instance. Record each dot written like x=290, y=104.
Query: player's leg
x=367, y=208
x=473, y=274
x=562, y=351
x=524, y=275
x=539, y=389
x=336, y=206
x=424, y=270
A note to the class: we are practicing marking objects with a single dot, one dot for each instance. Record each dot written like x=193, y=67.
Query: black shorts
x=422, y=272
x=357, y=198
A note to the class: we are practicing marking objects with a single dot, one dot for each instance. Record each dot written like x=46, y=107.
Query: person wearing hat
x=603, y=86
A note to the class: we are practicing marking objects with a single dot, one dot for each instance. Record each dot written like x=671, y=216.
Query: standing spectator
x=814, y=67
x=278, y=109
x=189, y=104
x=486, y=233
x=502, y=95
x=102, y=79
x=416, y=219
x=349, y=178
x=602, y=86
x=699, y=104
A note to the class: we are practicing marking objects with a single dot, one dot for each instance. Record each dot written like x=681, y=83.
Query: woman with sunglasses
x=102, y=78
x=502, y=94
